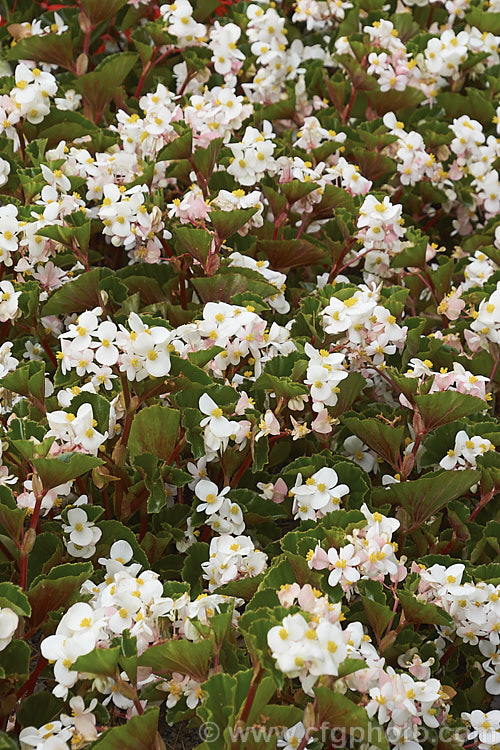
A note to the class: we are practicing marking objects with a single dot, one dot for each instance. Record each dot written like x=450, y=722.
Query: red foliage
x=224, y=6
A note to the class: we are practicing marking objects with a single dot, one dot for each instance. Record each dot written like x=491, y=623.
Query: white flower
x=355, y=449
x=70, y=102
x=82, y=718
x=84, y=429
x=292, y=737
x=218, y=424
x=83, y=534
x=8, y=301
x=4, y=171
x=344, y=566
x=8, y=625
x=320, y=493
x=79, y=528
x=106, y=352
x=209, y=494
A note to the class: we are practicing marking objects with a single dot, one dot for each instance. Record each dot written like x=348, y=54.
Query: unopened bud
x=418, y=423
x=119, y=454
x=85, y=23
x=37, y=485
x=82, y=64
x=388, y=640
x=28, y=541
x=309, y=719
x=408, y=464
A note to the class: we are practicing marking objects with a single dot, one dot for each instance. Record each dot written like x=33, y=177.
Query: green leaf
x=483, y=20
x=424, y=497
x=63, y=235
x=27, y=380
x=97, y=11
x=289, y=568
x=157, y=497
x=7, y=743
x=254, y=626
x=55, y=49
x=447, y=406
x=196, y=242
x=338, y=711
x=260, y=453
x=282, y=386
x=179, y=148
x=191, y=571
x=489, y=573
x=334, y=198
x=99, y=86
x=39, y=709
x=203, y=9
x=59, y=125
x=190, y=371
x=374, y=604
x=475, y=103
x=11, y=516
x=350, y=388
x=49, y=592
x=204, y=356
x=154, y=431
x=296, y=190
x=286, y=254
x=191, y=419
x=349, y=666
x=128, y=655
x=394, y=101
x=419, y=612
x=139, y=733
x=222, y=287
x=205, y=158
x=76, y=296
x=101, y=661
x=47, y=552
x=218, y=708
x=13, y=596
x=282, y=110
x=244, y=588
x=186, y=657
x=228, y=223
x=384, y=439
x=14, y=660
x=413, y=256
x=67, y=466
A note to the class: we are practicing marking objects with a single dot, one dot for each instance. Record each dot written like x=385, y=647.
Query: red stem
x=494, y=369
x=257, y=677
x=36, y=512
x=182, y=291
x=485, y=499
x=144, y=523
x=138, y=706
x=189, y=78
x=344, y=116
x=23, y=570
x=244, y=466
x=347, y=246
x=302, y=227
x=49, y=352
x=148, y=68
x=30, y=683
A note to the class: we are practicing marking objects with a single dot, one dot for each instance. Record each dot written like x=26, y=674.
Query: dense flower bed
x=250, y=321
